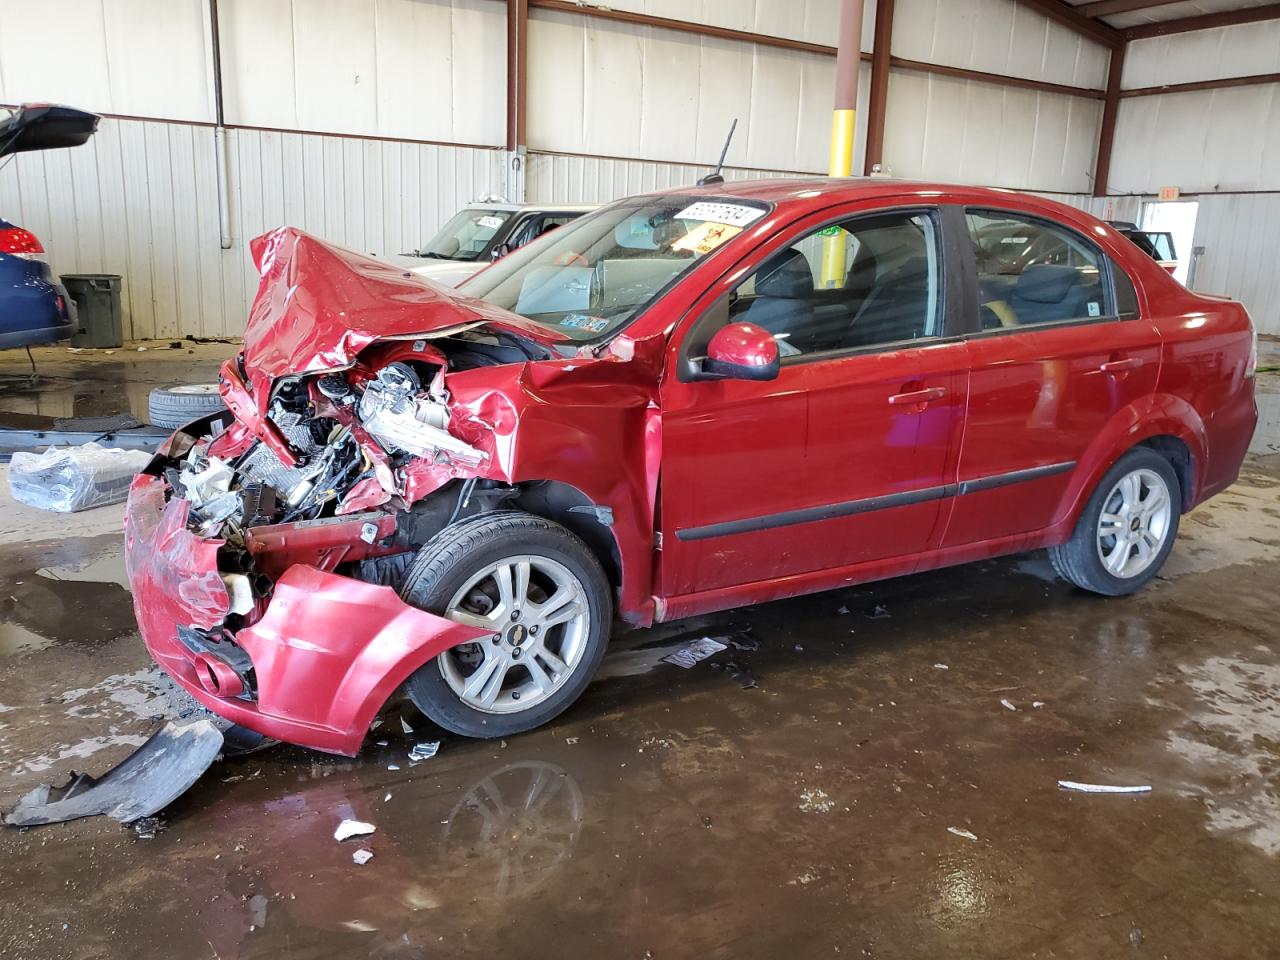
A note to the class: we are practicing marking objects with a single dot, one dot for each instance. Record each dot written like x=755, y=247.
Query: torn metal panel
x=148, y=780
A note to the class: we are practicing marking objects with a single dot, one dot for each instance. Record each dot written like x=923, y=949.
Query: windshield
x=589, y=278
x=466, y=236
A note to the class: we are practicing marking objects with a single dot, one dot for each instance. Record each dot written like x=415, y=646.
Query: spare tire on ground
x=173, y=407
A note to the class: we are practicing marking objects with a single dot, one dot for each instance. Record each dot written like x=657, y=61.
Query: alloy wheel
x=537, y=617
x=1134, y=523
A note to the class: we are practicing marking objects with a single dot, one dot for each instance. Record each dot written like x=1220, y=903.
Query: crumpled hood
x=318, y=305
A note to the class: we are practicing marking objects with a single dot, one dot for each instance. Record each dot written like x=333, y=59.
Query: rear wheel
x=1127, y=528
x=542, y=598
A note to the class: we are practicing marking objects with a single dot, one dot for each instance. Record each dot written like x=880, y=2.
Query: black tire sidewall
x=171, y=410
x=432, y=591
x=1087, y=529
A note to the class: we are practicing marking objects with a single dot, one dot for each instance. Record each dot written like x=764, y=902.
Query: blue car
x=34, y=307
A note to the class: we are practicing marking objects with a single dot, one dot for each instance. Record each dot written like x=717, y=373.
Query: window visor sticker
x=734, y=214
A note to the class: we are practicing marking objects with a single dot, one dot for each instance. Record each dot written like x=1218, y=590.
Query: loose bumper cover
x=316, y=666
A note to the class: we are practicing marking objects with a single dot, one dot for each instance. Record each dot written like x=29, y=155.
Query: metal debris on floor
x=695, y=652
x=1101, y=787
x=148, y=780
x=424, y=751
x=353, y=828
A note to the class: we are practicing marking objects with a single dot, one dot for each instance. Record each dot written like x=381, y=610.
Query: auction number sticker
x=734, y=214
x=491, y=222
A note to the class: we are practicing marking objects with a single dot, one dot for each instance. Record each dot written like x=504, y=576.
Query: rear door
x=848, y=456
x=1060, y=350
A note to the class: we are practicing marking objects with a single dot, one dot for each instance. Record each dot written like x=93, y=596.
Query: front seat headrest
x=786, y=275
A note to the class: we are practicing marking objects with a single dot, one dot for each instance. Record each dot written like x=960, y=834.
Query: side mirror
x=742, y=351
x=500, y=251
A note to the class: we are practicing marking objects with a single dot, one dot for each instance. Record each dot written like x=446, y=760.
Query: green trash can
x=97, y=299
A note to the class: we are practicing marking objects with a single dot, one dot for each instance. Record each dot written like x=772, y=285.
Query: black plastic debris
x=148, y=780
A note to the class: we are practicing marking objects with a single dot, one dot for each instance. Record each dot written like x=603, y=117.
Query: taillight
x=1251, y=365
x=19, y=242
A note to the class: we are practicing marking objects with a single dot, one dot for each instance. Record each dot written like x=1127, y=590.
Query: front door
x=848, y=456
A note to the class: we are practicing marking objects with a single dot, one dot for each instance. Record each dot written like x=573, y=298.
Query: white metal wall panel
x=997, y=36
x=140, y=199
x=1206, y=140
x=418, y=69
x=621, y=90
x=966, y=131
x=561, y=178
x=1238, y=51
x=814, y=21
x=134, y=57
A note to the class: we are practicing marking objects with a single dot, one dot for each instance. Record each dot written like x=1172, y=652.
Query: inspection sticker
x=734, y=214
x=705, y=237
x=580, y=321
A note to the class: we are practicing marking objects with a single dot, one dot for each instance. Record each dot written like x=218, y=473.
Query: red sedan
x=680, y=403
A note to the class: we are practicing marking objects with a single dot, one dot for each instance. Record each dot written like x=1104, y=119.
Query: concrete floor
x=847, y=783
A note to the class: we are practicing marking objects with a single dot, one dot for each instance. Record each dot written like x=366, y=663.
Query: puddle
x=1231, y=740
x=15, y=638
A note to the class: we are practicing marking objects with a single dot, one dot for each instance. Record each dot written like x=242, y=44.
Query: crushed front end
x=263, y=544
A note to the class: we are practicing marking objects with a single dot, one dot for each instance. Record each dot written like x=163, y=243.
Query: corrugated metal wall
x=566, y=178
x=1240, y=236
x=140, y=200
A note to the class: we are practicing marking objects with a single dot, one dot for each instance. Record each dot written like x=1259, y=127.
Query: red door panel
x=1036, y=400
x=823, y=467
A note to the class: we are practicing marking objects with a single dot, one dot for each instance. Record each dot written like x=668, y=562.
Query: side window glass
x=1032, y=272
x=868, y=281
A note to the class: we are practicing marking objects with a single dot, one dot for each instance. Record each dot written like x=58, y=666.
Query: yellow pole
x=843, y=125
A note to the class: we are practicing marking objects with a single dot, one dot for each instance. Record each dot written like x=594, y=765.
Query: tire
x=1083, y=560
x=458, y=574
x=174, y=407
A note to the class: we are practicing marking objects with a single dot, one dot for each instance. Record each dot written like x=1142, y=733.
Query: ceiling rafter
x=1069, y=16
x=1208, y=21
x=1105, y=8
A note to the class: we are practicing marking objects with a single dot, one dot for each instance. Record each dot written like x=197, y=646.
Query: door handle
x=919, y=396
x=1118, y=366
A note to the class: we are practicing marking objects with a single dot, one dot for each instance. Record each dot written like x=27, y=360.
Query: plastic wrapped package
x=68, y=479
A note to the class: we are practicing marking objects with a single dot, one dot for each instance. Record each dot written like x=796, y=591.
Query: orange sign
x=1170, y=193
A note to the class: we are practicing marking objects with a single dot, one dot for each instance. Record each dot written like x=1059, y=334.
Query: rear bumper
x=318, y=664
x=33, y=311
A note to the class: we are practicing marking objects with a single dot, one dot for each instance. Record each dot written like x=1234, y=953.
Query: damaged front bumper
x=317, y=658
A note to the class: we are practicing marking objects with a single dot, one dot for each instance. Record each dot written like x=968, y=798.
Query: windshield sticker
x=734, y=214
x=493, y=223
x=580, y=321
x=705, y=237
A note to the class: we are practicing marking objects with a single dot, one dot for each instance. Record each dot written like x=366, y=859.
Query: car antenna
x=714, y=175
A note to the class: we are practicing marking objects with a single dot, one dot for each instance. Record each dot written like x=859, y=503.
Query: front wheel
x=1127, y=528
x=542, y=597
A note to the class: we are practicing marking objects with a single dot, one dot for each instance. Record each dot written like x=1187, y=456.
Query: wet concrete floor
x=845, y=779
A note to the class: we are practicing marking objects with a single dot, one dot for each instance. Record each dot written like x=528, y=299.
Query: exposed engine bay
x=352, y=432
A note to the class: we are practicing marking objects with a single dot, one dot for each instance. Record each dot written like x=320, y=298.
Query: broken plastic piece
x=148, y=780
x=1004, y=702
x=68, y=479
x=424, y=751
x=362, y=856
x=694, y=652
x=1101, y=787
x=353, y=828
x=962, y=833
